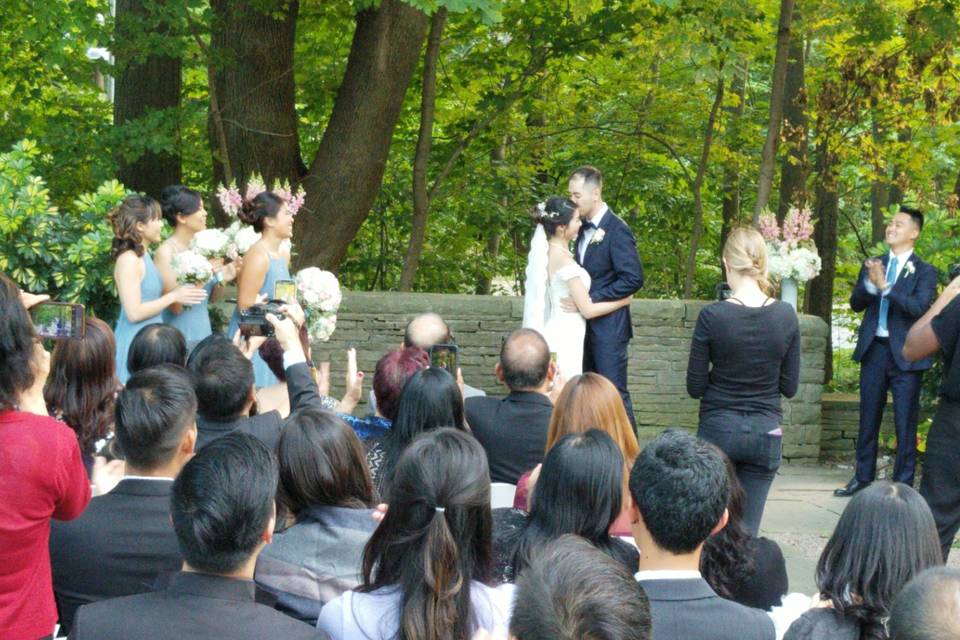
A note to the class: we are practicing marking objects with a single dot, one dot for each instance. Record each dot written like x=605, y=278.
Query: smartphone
x=285, y=290
x=58, y=320
x=445, y=356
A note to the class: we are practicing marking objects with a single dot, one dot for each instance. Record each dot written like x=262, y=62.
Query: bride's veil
x=535, y=287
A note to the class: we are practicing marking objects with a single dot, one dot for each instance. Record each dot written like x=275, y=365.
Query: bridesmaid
x=263, y=264
x=183, y=209
x=137, y=224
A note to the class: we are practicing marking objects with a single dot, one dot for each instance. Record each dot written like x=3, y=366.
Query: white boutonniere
x=910, y=269
x=598, y=236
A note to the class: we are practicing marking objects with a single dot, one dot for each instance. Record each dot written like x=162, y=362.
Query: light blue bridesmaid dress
x=194, y=322
x=278, y=270
x=151, y=288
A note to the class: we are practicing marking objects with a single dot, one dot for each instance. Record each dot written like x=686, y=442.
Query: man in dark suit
x=680, y=489
x=124, y=539
x=222, y=507
x=223, y=379
x=894, y=290
x=513, y=430
x=607, y=249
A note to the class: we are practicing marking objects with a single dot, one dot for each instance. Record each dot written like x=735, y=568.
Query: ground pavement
x=800, y=515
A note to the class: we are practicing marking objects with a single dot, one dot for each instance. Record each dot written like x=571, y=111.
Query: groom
x=607, y=249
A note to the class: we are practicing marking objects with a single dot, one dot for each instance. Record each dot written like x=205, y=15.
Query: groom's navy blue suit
x=883, y=367
x=615, y=273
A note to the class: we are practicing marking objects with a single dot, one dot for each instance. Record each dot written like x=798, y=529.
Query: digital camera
x=253, y=321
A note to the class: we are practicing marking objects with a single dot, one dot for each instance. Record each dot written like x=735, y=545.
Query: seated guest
x=82, y=385
x=223, y=379
x=222, y=507
x=513, y=430
x=326, y=489
x=42, y=476
x=590, y=401
x=580, y=491
x=156, y=344
x=276, y=397
x=391, y=374
x=884, y=537
x=124, y=539
x=427, y=566
x=572, y=591
x=430, y=400
x=928, y=608
x=739, y=566
x=680, y=490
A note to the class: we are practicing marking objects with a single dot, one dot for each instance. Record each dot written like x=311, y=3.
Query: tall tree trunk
x=254, y=90
x=731, y=172
x=345, y=176
x=498, y=156
x=826, y=210
x=697, y=188
x=793, y=168
x=878, y=189
x=769, y=153
x=144, y=86
x=421, y=159
x=896, y=185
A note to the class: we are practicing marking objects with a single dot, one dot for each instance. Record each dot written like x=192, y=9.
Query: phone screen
x=58, y=320
x=285, y=290
x=444, y=356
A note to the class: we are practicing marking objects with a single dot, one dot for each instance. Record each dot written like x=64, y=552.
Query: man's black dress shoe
x=852, y=487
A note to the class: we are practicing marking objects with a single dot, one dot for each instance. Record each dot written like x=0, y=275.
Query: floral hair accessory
x=543, y=213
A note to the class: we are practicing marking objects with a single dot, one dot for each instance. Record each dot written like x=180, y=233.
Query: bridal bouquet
x=191, y=267
x=790, y=248
x=240, y=237
x=211, y=243
x=319, y=293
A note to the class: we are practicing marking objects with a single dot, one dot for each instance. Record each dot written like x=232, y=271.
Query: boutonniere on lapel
x=598, y=236
x=910, y=269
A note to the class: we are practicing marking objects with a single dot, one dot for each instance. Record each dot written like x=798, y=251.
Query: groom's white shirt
x=588, y=234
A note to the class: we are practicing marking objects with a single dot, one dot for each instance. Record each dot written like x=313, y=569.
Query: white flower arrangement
x=319, y=293
x=211, y=243
x=320, y=326
x=801, y=264
x=191, y=268
x=791, y=252
x=240, y=238
x=909, y=268
x=597, y=237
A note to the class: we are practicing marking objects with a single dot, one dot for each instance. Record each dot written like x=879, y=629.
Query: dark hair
x=16, y=345
x=915, y=214
x=222, y=502
x=885, y=536
x=572, y=591
x=321, y=463
x=222, y=376
x=439, y=332
x=152, y=412
x=580, y=491
x=928, y=608
x=436, y=536
x=124, y=219
x=83, y=384
x=590, y=175
x=679, y=484
x=267, y=204
x=524, y=359
x=392, y=372
x=179, y=200
x=430, y=400
x=726, y=561
x=558, y=211
x=271, y=352
x=156, y=344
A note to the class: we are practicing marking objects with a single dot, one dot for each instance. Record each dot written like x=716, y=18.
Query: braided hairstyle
x=746, y=253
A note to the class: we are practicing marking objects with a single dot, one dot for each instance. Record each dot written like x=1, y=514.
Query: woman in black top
x=745, y=353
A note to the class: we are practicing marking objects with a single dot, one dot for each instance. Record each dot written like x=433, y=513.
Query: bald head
x=524, y=360
x=928, y=608
x=426, y=330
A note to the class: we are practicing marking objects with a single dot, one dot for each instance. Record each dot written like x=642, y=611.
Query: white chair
x=501, y=494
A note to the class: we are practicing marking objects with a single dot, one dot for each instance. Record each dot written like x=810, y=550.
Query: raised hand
x=875, y=273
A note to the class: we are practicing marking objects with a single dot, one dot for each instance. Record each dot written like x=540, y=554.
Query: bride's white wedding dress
x=565, y=330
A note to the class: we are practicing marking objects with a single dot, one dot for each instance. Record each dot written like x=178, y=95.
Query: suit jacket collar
x=691, y=589
x=605, y=220
x=210, y=586
x=143, y=487
x=532, y=397
x=219, y=426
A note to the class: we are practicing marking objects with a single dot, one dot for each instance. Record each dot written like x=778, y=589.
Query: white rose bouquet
x=319, y=293
x=240, y=238
x=211, y=243
x=191, y=268
x=791, y=251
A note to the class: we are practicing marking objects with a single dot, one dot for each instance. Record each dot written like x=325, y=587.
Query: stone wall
x=840, y=421
x=373, y=322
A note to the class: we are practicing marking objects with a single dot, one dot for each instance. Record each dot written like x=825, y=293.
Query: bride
x=553, y=275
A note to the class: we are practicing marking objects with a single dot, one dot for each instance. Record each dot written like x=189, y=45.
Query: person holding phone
x=264, y=264
x=138, y=223
x=183, y=210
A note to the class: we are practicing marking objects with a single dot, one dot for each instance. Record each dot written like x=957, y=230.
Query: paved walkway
x=800, y=515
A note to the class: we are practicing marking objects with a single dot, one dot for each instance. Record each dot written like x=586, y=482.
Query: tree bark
x=895, y=195
x=145, y=85
x=697, y=187
x=345, y=176
x=793, y=168
x=826, y=209
x=769, y=153
x=731, y=172
x=254, y=90
x=421, y=159
x=878, y=190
